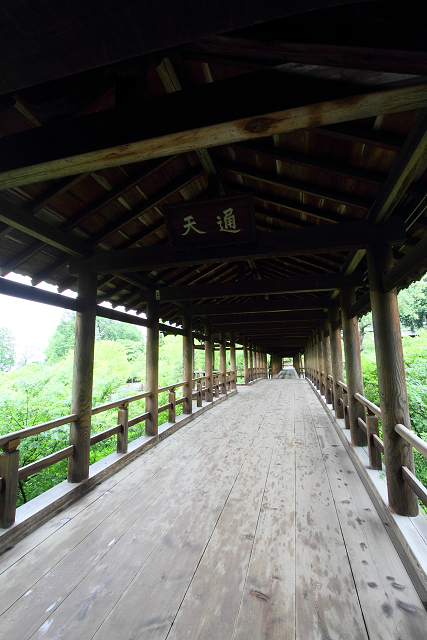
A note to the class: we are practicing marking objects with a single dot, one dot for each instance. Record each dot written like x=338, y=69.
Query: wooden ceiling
x=321, y=115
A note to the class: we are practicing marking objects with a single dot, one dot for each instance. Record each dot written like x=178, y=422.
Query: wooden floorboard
x=248, y=523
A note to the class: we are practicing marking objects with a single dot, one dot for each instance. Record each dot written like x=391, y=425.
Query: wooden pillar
x=209, y=361
x=336, y=358
x=326, y=350
x=152, y=368
x=251, y=361
x=321, y=370
x=391, y=380
x=187, y=352
x=276, y=364
x=81, y=395
x=9, y=466
x=233, y=360
x=223, y=361
x=245, y=360
x=353, y=366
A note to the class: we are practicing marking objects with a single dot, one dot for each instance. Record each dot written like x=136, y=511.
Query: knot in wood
x=260, y=125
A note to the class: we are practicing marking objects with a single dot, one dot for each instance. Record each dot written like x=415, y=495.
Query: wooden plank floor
x=249, y=523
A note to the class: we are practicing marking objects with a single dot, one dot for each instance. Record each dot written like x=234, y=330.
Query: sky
x=31, y=323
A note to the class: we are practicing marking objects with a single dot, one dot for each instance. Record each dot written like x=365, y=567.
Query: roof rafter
x=231, y=110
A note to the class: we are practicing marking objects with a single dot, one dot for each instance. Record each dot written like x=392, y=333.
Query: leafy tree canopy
x=413, y=305
x=62, y=341
x=7, y=349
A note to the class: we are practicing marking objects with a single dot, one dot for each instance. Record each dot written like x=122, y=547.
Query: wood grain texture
x=391, y=380
x=262, y=531
x=105, y=139
x=81, y=398
x=152, y=369
x=353, y=366
x=187, y=359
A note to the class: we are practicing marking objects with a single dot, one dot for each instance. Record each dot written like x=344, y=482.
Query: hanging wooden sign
x=208, y=223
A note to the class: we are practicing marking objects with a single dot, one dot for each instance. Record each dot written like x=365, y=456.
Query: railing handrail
x=418, y=443
x=342, y=384
x=118, y=403
x=37, y=428
x=373, y=408
x=169, y=387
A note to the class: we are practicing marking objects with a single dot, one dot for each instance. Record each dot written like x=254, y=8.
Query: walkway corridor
x=248, y=523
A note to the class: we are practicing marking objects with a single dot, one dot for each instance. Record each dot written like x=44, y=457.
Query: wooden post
x=209, y=362
x=326, y=349
x=172, y=408
x=222, y=362
x=233, y=360
x=353, y=367
x=199, y=394
x=276, y=364
x=245, y=360
x=81, y=395
x=251, y=364
x=391, y=380
x=188, y=364
x=375, y=461
x=336, y=358
x=9, y=466
x=320, y=360
x=256, y=363
x=152, y=369
x=122, y=436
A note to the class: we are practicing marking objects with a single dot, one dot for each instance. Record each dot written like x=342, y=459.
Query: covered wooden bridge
x=247, y=174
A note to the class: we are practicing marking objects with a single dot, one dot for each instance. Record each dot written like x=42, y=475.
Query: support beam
x=16, y=217
x=232, y=51
x=106, y=34
x=299, y=186
x=258, y=306
x=239, y=108
x=407, y=268
x=410, y=160
x=290, y=242
x=152, y=369
x=391, y=381
x=271, y=318
x=353, y=367
x=81, y=396
x=291, y=284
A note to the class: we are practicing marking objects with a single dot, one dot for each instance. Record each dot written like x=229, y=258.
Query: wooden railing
x=371, y=427
x=11, y=474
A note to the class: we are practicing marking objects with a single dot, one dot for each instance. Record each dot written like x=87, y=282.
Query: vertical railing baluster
x=122, y=436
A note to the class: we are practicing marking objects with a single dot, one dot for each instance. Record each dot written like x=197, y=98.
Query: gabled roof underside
x=322, y=120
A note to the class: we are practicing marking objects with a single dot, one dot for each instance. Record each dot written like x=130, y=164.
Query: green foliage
x=415, y=357
x=62, y=340
x=107, y=329
x=7, y=349
x=413, y=305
